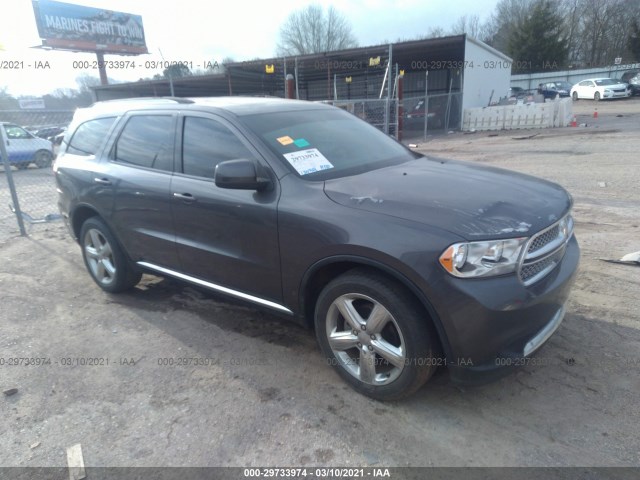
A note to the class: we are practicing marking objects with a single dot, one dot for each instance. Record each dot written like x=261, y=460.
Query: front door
x=226, y=237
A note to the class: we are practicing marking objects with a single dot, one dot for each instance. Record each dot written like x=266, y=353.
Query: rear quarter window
x=89, y=136
x=146, y=141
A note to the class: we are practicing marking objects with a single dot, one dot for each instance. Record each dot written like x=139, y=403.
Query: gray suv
x=401, y=263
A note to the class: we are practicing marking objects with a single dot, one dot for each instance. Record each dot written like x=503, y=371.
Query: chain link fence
x=30, y=140
x=442, y=114
x=381, y=113
x=412, y=121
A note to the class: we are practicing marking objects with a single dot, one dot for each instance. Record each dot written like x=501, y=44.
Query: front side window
x=16, y=133
x=146, y=141
x=206, y=143
x=89, y=136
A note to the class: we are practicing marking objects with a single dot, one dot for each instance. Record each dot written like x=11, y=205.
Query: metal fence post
x=399, y=106
x=426, y=102
x=12, y=186
x=295, y=72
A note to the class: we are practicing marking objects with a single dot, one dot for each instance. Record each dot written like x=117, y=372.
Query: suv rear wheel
x=105, y=260
x=375, y=334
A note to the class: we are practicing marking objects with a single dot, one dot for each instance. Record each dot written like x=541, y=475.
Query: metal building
x=453, y=73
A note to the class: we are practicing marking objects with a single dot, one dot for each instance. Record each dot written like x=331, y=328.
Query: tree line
x=538, y=34
x=562, y=34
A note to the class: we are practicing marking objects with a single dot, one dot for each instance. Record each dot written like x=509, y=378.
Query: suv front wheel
x=375, y=334
x=105, y=260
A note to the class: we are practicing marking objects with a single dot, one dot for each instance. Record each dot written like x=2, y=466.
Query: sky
x=197, y=31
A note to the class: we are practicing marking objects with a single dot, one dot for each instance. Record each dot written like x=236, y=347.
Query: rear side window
x=206, y=143
x=146, y=141
x=89, y=136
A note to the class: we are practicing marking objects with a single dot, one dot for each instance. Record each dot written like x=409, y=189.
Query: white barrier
x=557, y=113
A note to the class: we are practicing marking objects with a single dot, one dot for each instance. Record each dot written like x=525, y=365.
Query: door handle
x=102, y=181
x=186, y=197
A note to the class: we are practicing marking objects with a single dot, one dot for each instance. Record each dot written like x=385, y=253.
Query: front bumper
x=493, y=324
x=624, y=94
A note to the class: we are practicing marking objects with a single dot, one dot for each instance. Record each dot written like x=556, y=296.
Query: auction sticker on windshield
x=308, y=161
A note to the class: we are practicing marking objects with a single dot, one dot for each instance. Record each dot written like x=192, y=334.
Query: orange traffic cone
x=595, y=113
x=574, y=122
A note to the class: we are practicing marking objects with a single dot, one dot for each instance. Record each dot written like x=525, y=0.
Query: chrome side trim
x=217, y=288
x=544, y=334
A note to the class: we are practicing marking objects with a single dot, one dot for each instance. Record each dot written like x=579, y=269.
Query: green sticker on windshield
x=301, y=142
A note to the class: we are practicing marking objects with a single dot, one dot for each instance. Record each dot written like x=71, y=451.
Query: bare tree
x=469, y=24
x=312, y=30
x=570, y=11
x=633, y=41
x=601, y=29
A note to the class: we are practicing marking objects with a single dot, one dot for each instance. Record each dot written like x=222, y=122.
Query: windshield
x=322, y=144
x=606, y=81
x=563, y=85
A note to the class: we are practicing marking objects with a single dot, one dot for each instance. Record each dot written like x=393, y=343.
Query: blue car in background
x=553, y=89
x=24, y=148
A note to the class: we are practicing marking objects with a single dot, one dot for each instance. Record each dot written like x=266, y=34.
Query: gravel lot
x=266, y=396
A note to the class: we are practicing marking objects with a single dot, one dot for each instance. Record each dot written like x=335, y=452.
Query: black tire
x=42, y=159
x=106, y=262
x=406, y=329
x=596, y=96
x=575, y=96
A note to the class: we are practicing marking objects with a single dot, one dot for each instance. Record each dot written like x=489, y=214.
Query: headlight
x=482, y=259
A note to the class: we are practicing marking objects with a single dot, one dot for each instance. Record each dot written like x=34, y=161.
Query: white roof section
x=492, y=50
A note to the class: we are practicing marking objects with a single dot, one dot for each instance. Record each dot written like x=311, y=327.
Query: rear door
x=226, y=237
x=137, y=174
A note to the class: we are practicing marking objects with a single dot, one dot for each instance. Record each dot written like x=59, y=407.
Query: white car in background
x=599, y=89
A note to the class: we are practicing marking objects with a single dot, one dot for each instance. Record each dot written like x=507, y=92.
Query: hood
x=617, y=85
x=473, y=201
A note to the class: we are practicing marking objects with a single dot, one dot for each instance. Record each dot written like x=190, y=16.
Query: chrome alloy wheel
x=99, y=257
x=365, y=339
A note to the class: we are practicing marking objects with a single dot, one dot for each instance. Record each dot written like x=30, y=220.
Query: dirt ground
x=263, y=394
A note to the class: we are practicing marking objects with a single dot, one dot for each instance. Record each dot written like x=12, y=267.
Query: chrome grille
x=530, y=271
x=544, y=239
x=545, y=250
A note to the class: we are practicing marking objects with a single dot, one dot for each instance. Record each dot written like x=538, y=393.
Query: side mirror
x=241, y=174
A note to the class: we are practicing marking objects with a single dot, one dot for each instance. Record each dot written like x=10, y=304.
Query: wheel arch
x=323, y=271
x=80, y=215
x=39, y=151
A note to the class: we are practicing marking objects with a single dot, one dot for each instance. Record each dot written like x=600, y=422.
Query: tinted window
x=206, y=143
x=146, y=141
x=89, y=136
x=586, y=83
x=605, y=81
x=321, y=144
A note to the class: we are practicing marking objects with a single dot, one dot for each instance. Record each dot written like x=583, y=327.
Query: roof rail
x=180, y=99
x=147, y=99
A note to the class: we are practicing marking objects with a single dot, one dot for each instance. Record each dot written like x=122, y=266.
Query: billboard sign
x=31, y=103
x=66, y=26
